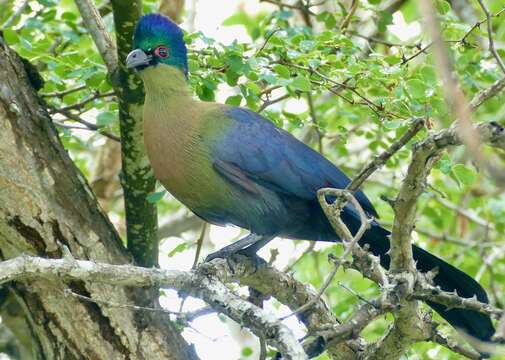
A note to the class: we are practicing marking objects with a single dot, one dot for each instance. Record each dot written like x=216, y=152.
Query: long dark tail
x=448, y=278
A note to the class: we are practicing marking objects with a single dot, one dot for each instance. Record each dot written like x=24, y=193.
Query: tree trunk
x=47, y=205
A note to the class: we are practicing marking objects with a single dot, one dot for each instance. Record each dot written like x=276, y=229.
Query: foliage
x=347, y=93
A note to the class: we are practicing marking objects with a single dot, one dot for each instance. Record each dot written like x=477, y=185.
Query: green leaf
x=234, y=100
x=179, y=248
x=385, y=19
x=307, y=45
x=445, y=165
x=443, y=7
x=374, y=2
x=10, y=36
x=392, y=59
x=105, y=118
x=235, y=63
x=464, y=174
x=416, y=88
x=330, y=21
x=247, y=351
x=282, y=70
x=392, y=124
x=301, y=83
x=154, y=197
x=240, y=18
x=429, y=75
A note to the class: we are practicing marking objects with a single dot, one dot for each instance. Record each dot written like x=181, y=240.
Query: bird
x=230, y=165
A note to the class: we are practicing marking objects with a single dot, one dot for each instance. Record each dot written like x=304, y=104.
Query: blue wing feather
x=273, y=158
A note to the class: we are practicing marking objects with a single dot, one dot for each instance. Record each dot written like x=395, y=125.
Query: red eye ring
x=161, y=51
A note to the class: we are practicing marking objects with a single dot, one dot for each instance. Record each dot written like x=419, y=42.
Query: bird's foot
x=220, y=254
x=229, y=253
x=232, y=257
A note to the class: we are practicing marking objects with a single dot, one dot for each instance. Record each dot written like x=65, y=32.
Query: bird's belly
x=178, y=160
x=188, y=178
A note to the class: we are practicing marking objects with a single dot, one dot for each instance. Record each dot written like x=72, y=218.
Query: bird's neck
x=166, y=83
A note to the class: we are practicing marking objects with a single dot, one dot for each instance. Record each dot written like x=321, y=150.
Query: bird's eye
x=161, y=51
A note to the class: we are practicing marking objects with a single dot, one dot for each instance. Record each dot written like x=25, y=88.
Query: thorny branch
x=349, y=241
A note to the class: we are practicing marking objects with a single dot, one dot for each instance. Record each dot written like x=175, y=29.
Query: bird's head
x=158, y=40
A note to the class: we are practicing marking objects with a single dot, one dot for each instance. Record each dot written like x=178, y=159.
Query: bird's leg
x=246, y=246
x=252, y=249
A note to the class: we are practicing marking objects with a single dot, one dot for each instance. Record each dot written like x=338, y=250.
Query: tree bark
x=46, y=205
x=137, y=177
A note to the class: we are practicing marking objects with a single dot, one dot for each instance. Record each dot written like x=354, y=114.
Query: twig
x=381, y=159
x=339, y=85
x=268, y=90
x=95, y=25
x=465, y=213
x=462, y=40
x=332, y=212
x=290, y=6
x=486, y=94
x=315, y=122
x=69, y=292
x=416, y=54
x=272, y=33
x=65, y=92
x=80, y=120
x=380, y=41
x=441, y=339
x=15, y=15
x=426, y=292
x=87, y=128
x=199, y=243
x=268, y=103
x=350, y=14
x=80, y=105
x=500, y=329
x=363, y=316
x=499, y=61
x=308, y=250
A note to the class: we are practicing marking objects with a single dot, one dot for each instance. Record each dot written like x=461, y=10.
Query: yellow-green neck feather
x=166, y=82
x=174, y=124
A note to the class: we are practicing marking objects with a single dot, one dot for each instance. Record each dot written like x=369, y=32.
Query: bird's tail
x=448, y=278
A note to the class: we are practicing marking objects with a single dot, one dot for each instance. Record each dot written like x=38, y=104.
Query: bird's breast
x=179, y=157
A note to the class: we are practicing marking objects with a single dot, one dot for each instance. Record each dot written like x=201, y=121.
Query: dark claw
x=220, y=254
x=232, y=257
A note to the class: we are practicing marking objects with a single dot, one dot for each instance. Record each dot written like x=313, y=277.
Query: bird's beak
x=137, y=58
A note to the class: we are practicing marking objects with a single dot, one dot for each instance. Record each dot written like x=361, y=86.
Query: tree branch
x=193, y=283
x=96, y=27
x=381, y=159
x=492, y=49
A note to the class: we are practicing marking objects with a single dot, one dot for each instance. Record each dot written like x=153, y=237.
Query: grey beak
x=137, y=58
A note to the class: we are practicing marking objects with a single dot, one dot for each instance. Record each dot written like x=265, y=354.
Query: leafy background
x=348, y=92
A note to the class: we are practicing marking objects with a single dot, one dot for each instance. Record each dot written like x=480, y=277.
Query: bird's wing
x=254, y=152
